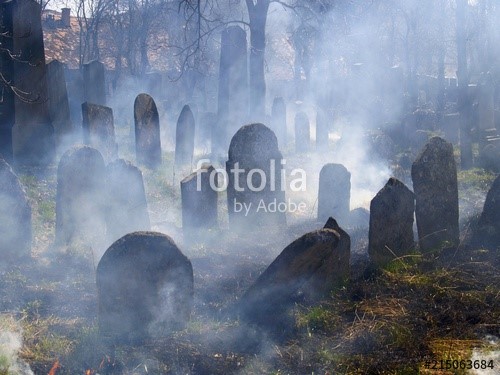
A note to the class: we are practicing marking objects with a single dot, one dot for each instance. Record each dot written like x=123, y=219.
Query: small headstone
x=434, y=175
x=99, y=130
x=15, y=216
x=199, y=200
x=144, y=286
x=147, y=131
x=80, y=198
x=302, y=133
x=488, y=229
x=278, y=120
x=94, y=84
x=127, y=209
x=321, y=130
x=184, y=137
x=391, y=223
x=334, y=193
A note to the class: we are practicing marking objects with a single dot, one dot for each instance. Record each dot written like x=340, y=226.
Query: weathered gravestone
x=434, y=175
x=302, y=133
x=334, y=193
x=15, y=216
x=488, y=228
x=278, y=120
x=321, y=130
x=144, y=286
x=199, y=200
x=80, y=199
x=147, y=131
x=307, y=269
x=126, y=206
x=94, y=84
x=184, y=137
x=254, y=194
x=98, y=129
x=58, y=103
x=391, y=223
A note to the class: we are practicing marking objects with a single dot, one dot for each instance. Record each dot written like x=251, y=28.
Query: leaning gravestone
x=184, y=137
x=144, y=287
x=302, y=133
x=94, y=89
x=98, y=129
x=391, y=223
x=199, y=200
x=147, y=131
x=488, y=229
x=321, y=130
x=434, y=175
x=309, y=268
x=15, y=216
x=278, y=120
x=80, y=199
x=255, y=196
x=126, y=206
x=334, y=193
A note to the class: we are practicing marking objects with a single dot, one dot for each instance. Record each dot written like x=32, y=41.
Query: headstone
x=147, y=131
x=184, y=137
x=144, y=288
x=233, y=86
x=278, y=120
x=98, y=129
x=127, y=209
x=58, y=103
x=15, y=216
x=199, y=200
x=307, y=269
x=391, y=223
x=322, y=130
x=434, y=175
x=80, y=198
x=487, y=233
x=302, y=133
x=334, y=193
x=94, y=84
x=254, y=170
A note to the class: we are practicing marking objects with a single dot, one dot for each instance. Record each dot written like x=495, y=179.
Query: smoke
x=11, y=343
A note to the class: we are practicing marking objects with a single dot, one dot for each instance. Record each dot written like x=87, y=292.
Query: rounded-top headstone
x=147, y=131
x=334, y=193
x=145, y=287
x=254, y=143
x=184, y=137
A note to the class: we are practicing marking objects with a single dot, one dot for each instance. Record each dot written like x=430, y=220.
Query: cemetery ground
x=437, y=306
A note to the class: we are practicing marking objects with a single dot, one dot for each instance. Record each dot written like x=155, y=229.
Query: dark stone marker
x=58, y=103
x=94, y=84
x=391, y=223
x=307, y=269
x=487, y=233
x=199, y=200
x=434, y=175
x=334, y=193
x=127, y=209
x=15, y=216
x=98, y=129
x=147, y=131
x=254, y=171
x=321, y=130
x=184, y=137
x=80, y=197
x=302, y=133
x=144, y=286
x=278, y=120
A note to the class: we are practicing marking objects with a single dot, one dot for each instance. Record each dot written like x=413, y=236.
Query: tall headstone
x=144, y=288
x=334, y=193
x=58, y=103
x=254, y=170
x=184, y=137
x=302, y=133
x=15, y=216
x=278, y=120
x=147, y=131
x=99, y=129
x=80, y=199
x=233, y=86
x=391, y=223
x=434, y=175
x=126, y=206
x=488, y=229
x=321, y=130
x=94, y=84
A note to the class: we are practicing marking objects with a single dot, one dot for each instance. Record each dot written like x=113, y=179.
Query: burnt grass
x=441, y=305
